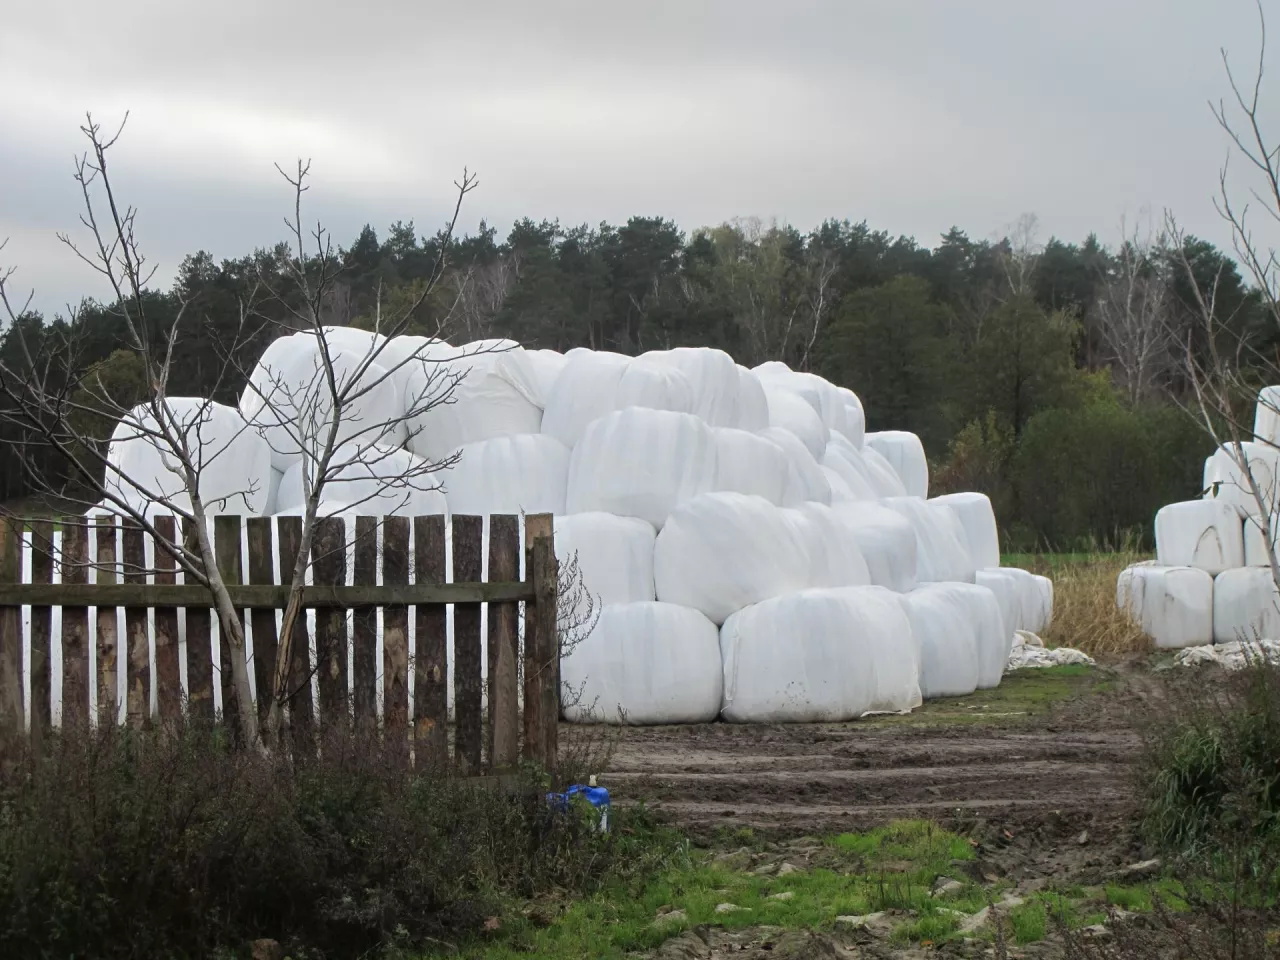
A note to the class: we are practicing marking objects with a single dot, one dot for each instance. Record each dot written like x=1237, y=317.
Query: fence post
x=467, y=534
x=137, y=697
x=541, y=644
x=430, y=663
x=504, y=720
x=301, y=703
x=329, y=563
x=41, y=705
x=395, y=637
x=199, y=641
x=11, y=712
x=226, y=550
x=168, y=675
x=364, y=640
x=262, y=571
x=75, y=625
x=108, y=635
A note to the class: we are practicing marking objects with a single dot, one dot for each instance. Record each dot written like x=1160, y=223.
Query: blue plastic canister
x=598, y=797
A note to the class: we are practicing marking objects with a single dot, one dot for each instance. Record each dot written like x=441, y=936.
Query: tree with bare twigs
x=318, y=412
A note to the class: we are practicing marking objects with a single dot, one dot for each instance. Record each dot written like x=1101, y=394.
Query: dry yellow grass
x=1084, y=602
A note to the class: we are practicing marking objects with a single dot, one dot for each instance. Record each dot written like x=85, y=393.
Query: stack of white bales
x=1211, y=581
x=753, y=552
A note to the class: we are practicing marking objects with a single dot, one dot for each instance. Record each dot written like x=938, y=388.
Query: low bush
x=123, y=844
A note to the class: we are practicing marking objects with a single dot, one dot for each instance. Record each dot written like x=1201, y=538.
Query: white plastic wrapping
x=545, y=367
x=714, y=377
x=753, y=405
x=944, y=626
x=887, y=542
x=790, y=412
x=641, y=463
x=750, y=463
x=233, y=461
x=720, y=552
x=521, y=474
x=993, y=637
x=883, y=476
x=905, y=454
x=1266, y=417
x=1208, y=534
x=847, y=463
x=1008, y=588
x=1173, y=605
x=585, y=390
x=818, y=656
x=614, y=555
x=979, y=522
x=378, y=482
x=1036, y=598
x=1259, y=536
x=854, y=417
x=1232, y=482
x=942, y=550
x=645, y=663
x=829, y=540
x=806, y=479
x=1246, y=606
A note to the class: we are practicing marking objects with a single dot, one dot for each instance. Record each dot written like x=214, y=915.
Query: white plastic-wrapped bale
x=821, y=395
x=841, y=492
x=641, y=463
x=494, y=393
x=1200, y=533
x=753, y=405
x=614, y=555
x=232, y=461
x=905, y=454
x=720, y=552
x=790, y=412
x=883, y=476
x=645, y=663
x=994, y=638
x=585, y=390
x=714, y=377
x=381, y=481
x=834, y=557
x=854, y=417
x=1173, y=605
x=943, y=625
x=847, y=463
x=886, y=540
x=1246, y=606
x=812, y=657
x=521, y=474
x=806, y=479
x=1036, y=599
x=1232, y=469
x=942, y=550
x=545, y=366
x=1260, y=538
x=749, y=463
x=979, y=521
x=404, y=356
x=1266, y=416
x=1008, y=588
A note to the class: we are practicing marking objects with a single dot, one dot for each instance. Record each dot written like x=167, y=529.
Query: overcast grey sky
x=913, y=115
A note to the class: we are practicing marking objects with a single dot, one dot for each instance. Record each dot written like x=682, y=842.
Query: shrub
x=123, y=844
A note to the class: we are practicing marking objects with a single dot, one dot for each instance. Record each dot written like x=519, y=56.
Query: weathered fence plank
x=504, y=646
x=395, y=635
x=108, y=633
x=431, y=667
x=199, y=641
x=226, y=550
x=298, y=693
x=365, y=622
x=262, y=571
x=75, y=625
x=12, y=715
x=467, y=535
x=329, y=563
x=41, y=628
x=541, y=643
x=263, y=597
x=137, y=691
x=168, y=675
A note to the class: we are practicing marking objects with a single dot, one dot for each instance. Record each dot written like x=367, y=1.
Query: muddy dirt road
x=1057, y=753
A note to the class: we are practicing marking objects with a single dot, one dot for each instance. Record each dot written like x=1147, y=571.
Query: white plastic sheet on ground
x=645, y=663
x=233, y=462
x=1207, y=534
x=1235, y=655
x=818, y=656
x=521, y=474
x=721, y=552
x=750, y=463
x=887, y=542
x=614, y=555
x=641, y=463
x=905, y=454
x=979, y=522
x=1173, y=605
x=942, y=549
x=1246, y=606
x=1030, y=652
x=946, y=634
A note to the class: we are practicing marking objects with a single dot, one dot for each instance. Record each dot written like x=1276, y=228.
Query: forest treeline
x=1048, y=375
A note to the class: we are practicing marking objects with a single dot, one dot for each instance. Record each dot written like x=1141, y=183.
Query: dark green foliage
x=120, y=844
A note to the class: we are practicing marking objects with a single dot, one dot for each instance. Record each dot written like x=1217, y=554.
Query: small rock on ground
x=731, y=908
x=784, y=895
x=787, y=869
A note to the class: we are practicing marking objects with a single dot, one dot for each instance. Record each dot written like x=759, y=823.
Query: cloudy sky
x=911, y=114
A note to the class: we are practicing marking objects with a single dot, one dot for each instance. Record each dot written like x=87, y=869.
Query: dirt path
x=1031, y=753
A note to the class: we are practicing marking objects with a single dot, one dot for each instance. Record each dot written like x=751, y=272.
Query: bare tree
x=1133, y=313
x=319, y=413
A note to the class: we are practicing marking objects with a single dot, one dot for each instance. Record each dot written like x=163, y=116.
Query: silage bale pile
x=1211, y=582
x=754, y=554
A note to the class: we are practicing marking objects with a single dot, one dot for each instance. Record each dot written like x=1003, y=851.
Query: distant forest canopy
x=1047, y=375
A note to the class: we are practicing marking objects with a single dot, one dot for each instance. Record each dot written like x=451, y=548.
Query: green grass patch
x=1028, y=922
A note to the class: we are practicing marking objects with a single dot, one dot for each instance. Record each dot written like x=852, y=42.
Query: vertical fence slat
x=541, y=693
x=168, y=671
x=261, y=571
x=199, y=644
x=12, y=716
x=108, y=634
x=75, y=625
x=329, y=561
x=41, y=628
x=395, y=634
x=365, y=628
x=467, y=535
x=137, y=691
x=301, y=705
x=226, y=549
x=430, y=665
x=504, y=719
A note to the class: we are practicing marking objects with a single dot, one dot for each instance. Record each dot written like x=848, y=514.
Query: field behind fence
x=411, y=622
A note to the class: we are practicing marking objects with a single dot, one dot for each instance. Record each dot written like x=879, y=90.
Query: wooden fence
x=409, y=557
